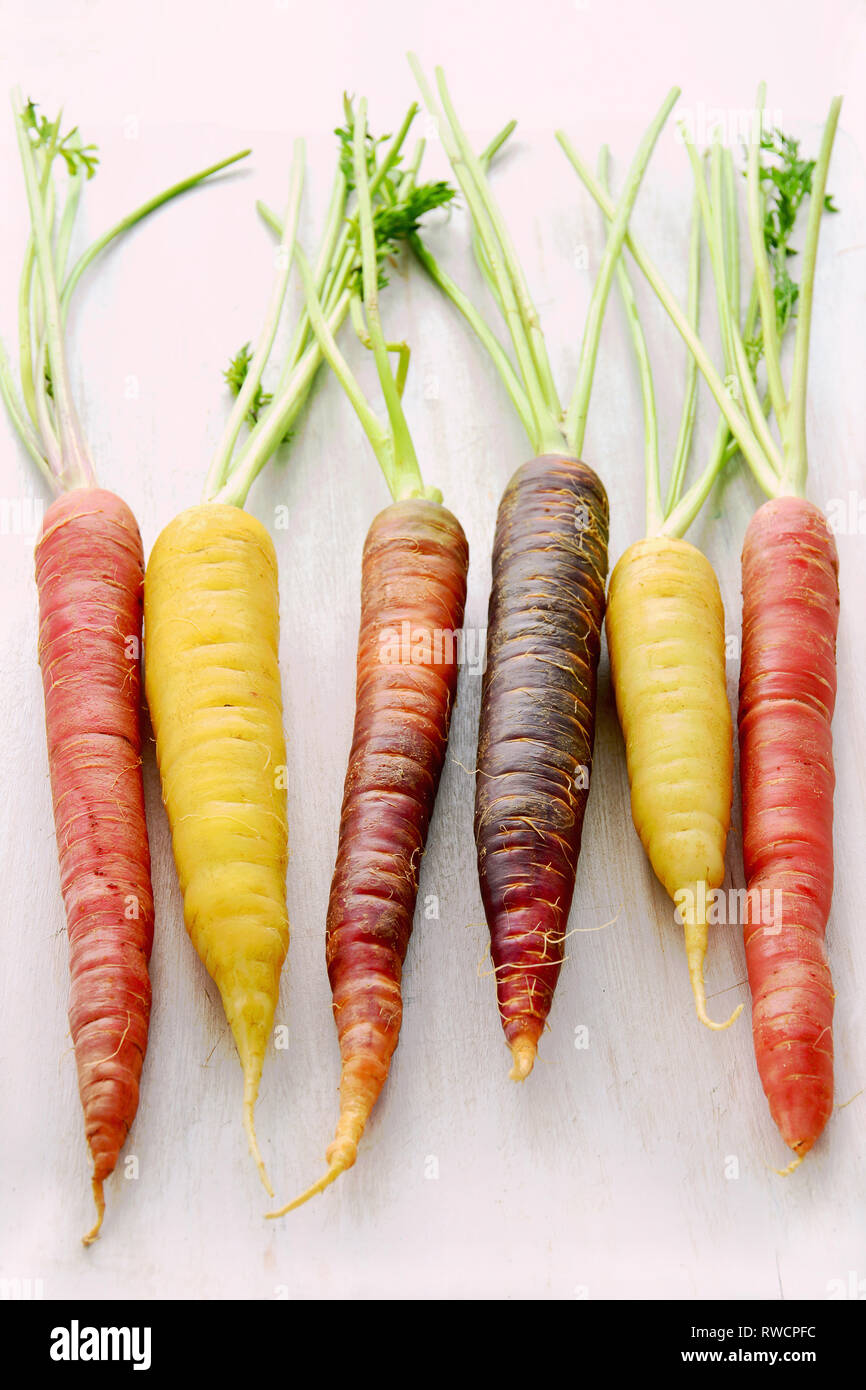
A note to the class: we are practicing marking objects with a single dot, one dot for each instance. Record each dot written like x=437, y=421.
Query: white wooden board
x=608, y=1174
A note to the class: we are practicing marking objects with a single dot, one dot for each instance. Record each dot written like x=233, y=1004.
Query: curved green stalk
x=690, y=395
x=335, y=261
x=30, y=310
x=547, y=433
x=736, y=363
x=654, y=513
x=88, y=256
x=372, y=425
x=271, y=429
x=222, y=459
x=731, y=233
x=575, y=420
x=18, y=415
x=403, y=351
x=763, y=273
x=526, y=307
x=488, y=339
x=25, y=335
x=269, y=217
x=330, y=301
x=76, y=466
x=796, y=463
x=739, y=425
x=683, y=514
x=485, y=159
x=30, y=313
x=403, y=457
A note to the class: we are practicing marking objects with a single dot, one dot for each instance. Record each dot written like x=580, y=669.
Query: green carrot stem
x=18, y=415
x=763, y=272
x=683, y=514
x=526, y=307
x=76, y=465
x=269, y=217
x=488, y=339
x=403, y=351
x=731, y=233
x=272, y=428
x=690, y=395
x=739, y=426
x=654, y=513
x=222, y=459
x=25, y=335
x=796, y=463
x=372, y=425
x=30, y=314
x=403, y=457
x=546, y=432
x=485, y=159
x=736, y=362
x=575, y=420
x=87, y=257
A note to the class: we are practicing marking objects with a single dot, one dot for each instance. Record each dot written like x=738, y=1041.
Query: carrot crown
x=388, y=204
x=779, y=466
x=43, y=411
x=530, y=383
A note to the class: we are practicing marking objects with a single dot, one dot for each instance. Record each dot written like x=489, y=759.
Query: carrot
x=413, y=590
x=89, y=574
x=89, y=577
x=414, y=573
x=666, y=637
x=546, y=607
x=790, y=609
x=537, y=728
x=787, y=694
x=213, y=687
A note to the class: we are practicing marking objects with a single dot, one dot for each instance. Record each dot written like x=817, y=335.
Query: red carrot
x=787, y=694
x=89, y=574
x=413, y=589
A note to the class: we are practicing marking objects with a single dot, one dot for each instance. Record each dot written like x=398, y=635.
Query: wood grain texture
x=605, y=1175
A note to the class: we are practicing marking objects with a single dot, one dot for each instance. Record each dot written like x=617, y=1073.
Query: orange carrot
x=413, y=589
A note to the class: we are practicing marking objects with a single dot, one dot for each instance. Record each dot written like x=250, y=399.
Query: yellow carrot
x=211, y=614
x=666, y=636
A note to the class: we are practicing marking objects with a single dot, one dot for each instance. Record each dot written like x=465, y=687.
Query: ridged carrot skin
x=787, y=693
x=666, y=638
x=89, y=576
x=537, y=729
x=413, y=591
x=211, y=623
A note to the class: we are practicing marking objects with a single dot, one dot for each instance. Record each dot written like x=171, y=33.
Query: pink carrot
x=787, y=694
x=89, y=573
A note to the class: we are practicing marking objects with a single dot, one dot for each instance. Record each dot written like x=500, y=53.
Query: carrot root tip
x=788, y=1170
x=99, y=1199
x=696, y=950
x=711, y=1023
x=249, y=1126
x=523, y=1053
x=340, y=1157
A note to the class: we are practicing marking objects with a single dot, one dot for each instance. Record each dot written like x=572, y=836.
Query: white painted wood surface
x=605, y=1175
